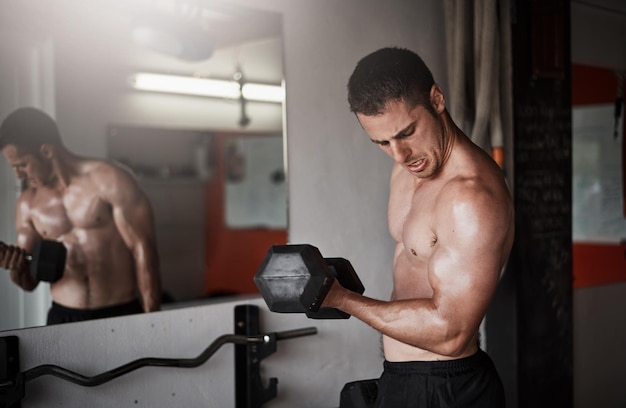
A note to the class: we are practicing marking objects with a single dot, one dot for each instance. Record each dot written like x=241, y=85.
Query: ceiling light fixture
x=216, y=88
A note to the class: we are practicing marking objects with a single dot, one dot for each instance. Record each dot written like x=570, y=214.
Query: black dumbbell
x=296, y=279
x=47, y=260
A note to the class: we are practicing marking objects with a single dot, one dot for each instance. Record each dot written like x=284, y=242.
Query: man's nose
x=399, y=151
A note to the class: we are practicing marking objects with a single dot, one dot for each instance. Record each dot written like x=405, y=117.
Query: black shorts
x=467, y=382
x=60, y=314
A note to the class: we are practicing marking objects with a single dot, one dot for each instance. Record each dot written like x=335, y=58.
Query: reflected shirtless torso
x=102, y=217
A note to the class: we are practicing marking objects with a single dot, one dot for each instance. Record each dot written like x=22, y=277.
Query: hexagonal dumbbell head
x=47, y=261
x=291, y=278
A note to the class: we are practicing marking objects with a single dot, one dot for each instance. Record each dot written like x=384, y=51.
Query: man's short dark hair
x=29, y=128
x=389, y=74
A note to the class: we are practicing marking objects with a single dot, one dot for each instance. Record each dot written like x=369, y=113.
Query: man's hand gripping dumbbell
x=46, y=262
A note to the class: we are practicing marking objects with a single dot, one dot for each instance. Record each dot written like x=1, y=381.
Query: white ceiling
x=251, y=39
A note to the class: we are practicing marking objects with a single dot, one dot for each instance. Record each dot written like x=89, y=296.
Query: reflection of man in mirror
x=95, y=209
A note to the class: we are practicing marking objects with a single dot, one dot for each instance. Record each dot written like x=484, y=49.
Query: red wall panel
x=232, y=255
x=598, y=264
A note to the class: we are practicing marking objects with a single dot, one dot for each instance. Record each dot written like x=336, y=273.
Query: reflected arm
x=27, y=237
x=134, y=219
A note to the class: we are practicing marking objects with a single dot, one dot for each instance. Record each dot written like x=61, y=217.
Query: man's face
x=413, y=137
x=30, y=166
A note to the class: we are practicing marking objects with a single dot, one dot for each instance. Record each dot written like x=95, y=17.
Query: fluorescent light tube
x=216, y=88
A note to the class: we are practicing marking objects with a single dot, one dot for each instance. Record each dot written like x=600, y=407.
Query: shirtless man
x=95, y=209
x=451, y=215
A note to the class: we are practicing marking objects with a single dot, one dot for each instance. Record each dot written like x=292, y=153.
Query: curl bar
x=76, y=378
x=12, y=382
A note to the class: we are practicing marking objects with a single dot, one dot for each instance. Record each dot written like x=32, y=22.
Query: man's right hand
x=12, y=257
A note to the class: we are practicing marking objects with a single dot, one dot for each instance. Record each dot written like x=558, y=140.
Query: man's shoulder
x=106, y=176
x=486, y=190
x=102, y=168
x=27, y=197
x=475, y=172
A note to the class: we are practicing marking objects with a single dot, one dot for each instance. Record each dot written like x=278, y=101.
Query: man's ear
x=437, y=99
x=47, y=151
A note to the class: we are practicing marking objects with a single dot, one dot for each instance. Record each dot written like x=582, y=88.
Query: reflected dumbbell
x=46, y=262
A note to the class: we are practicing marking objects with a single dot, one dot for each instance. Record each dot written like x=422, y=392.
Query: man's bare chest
x=412, y=220
x=55, y=213
x=413, y=226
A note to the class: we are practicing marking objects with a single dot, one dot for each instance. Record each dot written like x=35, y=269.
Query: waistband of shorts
x=479, y=359
x=106, y=309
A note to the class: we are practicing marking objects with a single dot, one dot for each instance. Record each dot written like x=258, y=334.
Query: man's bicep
x=132, y=211
x=134, y=219
x=464, y=269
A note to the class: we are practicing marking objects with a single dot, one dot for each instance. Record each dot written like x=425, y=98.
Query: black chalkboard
x=529, y=325
x=543, y=252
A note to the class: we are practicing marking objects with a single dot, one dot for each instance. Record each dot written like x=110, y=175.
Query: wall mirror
x=211, y=163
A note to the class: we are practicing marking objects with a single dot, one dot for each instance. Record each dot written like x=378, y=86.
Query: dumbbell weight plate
x=284, y=275
x=296, y=278
x=48, y=261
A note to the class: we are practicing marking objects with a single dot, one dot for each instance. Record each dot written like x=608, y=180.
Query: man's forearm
x=150, y=288
x=148, y=277
x=22, y=278
x=151, y=299
x=149, y=281
x=416, y=322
